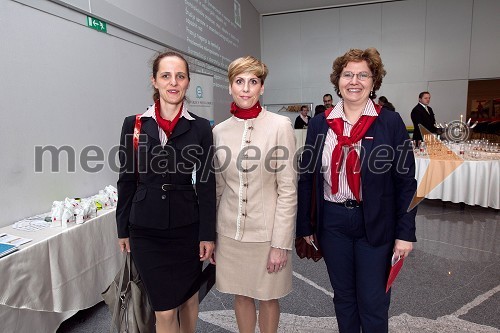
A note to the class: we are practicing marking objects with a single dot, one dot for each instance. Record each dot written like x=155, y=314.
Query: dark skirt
x=168, y=262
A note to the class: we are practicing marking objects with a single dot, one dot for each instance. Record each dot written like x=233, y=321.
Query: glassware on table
x=461, y=150
x=422, y=148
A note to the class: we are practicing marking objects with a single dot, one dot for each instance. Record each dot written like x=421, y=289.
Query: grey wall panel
x=143, y=19
x=360, y=27
x=62, y=84
x=166, y=22
x=277, y=96
x=320, y=45
x=485, y=43
x=281, y=46
x=447, y=40
x=83, y=5
x=448, y=99
x=403, y=41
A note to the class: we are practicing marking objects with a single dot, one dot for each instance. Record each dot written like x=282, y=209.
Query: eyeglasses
x=362, y=76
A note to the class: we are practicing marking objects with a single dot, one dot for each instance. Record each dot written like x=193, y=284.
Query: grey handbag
x=128, y=301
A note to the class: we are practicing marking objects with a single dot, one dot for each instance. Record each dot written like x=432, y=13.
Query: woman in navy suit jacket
x=363, y=201
x=166, y=222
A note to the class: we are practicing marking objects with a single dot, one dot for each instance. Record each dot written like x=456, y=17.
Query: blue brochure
x=5, y=249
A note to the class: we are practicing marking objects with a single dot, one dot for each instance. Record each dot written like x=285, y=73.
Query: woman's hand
x=124, y=244
x=402, y=248
x=206, y=250
x=277, y=260
x=308, y=239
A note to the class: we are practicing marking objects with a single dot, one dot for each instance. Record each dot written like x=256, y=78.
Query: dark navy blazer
x=387, y=179
x=141, y=199
x=419, y=116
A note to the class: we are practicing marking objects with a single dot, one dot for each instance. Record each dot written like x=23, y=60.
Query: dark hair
x=156, y=65
x=383, y=99
x=373, y=60
x=304, y=107
x=320, y=108
x=388, y=105
x=328, y=95
x=422, y=94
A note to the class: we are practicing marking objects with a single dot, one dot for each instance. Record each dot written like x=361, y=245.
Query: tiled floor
x=449, y=284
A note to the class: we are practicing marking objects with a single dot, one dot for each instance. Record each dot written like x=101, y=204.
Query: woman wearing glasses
x=364, y=172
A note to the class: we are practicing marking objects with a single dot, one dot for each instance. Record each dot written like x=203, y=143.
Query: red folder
x=396, y=265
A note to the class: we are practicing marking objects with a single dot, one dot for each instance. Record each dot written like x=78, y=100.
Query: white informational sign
x=201, y=96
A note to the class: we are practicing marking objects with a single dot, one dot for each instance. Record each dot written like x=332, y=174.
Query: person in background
x=319, y=109
x=362, y=202
x=256, y=200
x=303, y=118
x=167, y=226
x=384, y=102
x=327, y=101
x=422, y=114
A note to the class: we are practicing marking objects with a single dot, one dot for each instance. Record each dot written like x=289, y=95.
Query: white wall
x=435, y=45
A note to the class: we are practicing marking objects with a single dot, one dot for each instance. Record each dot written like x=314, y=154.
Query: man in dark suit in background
x=422, y=114
x=328, y=101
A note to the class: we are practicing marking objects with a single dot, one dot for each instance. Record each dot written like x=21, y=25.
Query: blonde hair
x=247, y=64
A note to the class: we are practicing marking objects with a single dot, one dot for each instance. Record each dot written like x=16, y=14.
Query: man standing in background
x=303, y=118
x=327, y=101
x=422, y=114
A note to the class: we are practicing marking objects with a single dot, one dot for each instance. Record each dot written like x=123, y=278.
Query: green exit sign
x=96, y=24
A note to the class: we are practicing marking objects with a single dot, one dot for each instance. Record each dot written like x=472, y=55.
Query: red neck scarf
x=353, y=167
x=253, y=112
x=166, y=125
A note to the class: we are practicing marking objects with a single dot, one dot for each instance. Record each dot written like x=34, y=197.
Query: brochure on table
x=13, y=240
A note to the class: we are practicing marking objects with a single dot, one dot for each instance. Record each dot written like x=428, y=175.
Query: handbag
x=303, y=249
x=128, y=301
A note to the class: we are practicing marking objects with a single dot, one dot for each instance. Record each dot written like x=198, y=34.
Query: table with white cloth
x=58, y=273
x=473, y=182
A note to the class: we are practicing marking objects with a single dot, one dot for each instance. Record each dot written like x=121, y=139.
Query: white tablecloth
x=60, y=272
x=473, y=182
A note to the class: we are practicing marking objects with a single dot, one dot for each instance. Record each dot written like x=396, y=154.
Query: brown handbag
x=303, y=249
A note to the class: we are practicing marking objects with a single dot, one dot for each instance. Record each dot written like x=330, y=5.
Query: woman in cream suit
x=256, y=200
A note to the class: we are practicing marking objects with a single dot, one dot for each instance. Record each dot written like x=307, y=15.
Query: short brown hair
x=422, y=94
x=372, y=58
x=247, y=64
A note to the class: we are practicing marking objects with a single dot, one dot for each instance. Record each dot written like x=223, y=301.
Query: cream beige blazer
x=256, y=179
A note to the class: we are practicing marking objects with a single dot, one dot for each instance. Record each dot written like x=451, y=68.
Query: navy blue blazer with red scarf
x=387, y=179
x=141, y=199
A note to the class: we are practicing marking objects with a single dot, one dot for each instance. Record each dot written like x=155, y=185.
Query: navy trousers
x=358, y=271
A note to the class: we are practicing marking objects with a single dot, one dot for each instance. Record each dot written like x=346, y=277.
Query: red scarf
x=166, y=125
x=253, y=112
x=353, y=167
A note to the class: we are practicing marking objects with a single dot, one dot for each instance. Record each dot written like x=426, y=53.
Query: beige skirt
x=242, y=270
